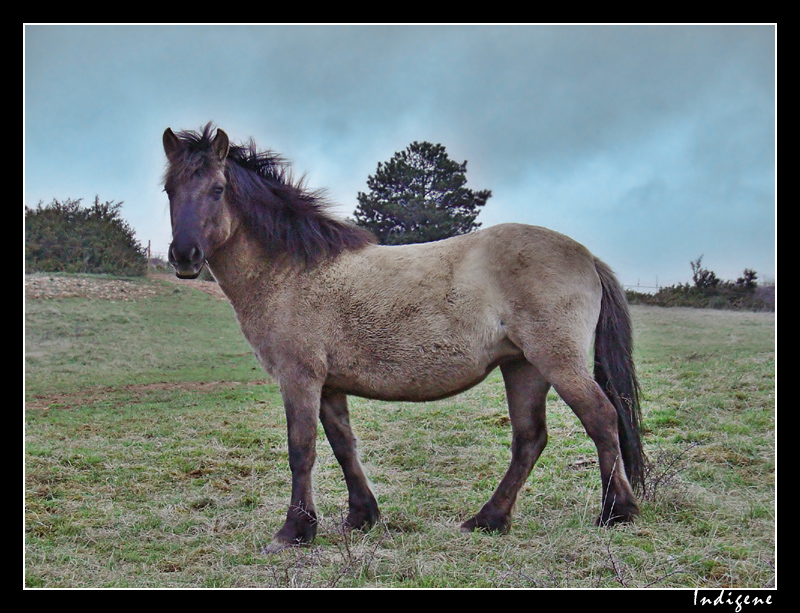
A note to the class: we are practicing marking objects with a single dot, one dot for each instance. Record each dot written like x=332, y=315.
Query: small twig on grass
x=664, y=470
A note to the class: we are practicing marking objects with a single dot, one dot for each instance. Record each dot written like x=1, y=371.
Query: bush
x=64, y=237
x=709, y=291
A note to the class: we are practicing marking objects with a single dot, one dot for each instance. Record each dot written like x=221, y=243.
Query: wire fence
x=645, y=289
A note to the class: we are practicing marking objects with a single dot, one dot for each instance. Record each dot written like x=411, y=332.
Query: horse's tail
x=614, y=371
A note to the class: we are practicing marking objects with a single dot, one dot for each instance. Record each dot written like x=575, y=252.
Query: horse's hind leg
x=526, y=391
x=363, y=508
x=599, y=418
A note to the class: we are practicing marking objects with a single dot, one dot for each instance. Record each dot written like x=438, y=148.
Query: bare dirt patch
x=83, y=397
x=42, y=286
x=47, y=287
x=209, y=287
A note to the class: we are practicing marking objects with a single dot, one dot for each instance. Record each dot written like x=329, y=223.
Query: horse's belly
x=425, y=372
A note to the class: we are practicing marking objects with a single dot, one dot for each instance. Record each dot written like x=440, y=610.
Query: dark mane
x=280, y=212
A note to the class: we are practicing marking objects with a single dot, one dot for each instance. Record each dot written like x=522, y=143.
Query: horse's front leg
x=301, y=403
x=335, y=419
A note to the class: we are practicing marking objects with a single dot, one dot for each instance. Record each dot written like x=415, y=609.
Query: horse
x=330, y=313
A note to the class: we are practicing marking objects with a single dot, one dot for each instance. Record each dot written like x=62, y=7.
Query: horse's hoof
x=362, y=520
x=618, y=514
x=278, y=544
x=477, y=523
x=275, y=546
x=282, y=541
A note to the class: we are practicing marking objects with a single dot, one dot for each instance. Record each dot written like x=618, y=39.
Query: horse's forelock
x=194, y=154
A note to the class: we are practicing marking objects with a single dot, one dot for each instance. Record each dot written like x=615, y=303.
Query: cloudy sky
x=652, y=145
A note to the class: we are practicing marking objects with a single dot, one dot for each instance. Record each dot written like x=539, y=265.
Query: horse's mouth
x=189, y=272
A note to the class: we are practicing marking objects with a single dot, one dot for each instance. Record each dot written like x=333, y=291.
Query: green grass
x=75, y=343
x=155, y=456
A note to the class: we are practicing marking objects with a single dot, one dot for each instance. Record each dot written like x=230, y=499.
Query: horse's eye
x=216, y=193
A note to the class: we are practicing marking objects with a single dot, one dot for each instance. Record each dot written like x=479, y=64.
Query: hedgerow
x=66, y=237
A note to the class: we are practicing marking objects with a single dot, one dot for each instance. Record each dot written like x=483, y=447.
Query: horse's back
x=505, y=252
x=502, y=269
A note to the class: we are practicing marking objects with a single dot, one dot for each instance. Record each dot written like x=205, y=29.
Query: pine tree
x=418, y=196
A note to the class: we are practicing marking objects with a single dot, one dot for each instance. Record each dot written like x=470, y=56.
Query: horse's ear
x=221, y=144
x=171, y=142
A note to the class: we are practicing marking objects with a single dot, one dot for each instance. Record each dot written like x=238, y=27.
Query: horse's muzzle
x=187, y=262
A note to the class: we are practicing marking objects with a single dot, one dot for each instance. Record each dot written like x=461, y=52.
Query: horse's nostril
x=187, y=259
x=191, y=255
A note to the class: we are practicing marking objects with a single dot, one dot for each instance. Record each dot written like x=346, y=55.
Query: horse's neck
x=242, y=268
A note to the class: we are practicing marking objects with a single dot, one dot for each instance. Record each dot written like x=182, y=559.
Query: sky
x=652, y=145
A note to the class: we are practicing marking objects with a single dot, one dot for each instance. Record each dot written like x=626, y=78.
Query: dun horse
x=330, y=313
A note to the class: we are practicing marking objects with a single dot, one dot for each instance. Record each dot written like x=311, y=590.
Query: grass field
x=155, y=456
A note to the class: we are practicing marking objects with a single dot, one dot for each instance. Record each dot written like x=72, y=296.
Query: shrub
x=65, y=237
x=708, y=291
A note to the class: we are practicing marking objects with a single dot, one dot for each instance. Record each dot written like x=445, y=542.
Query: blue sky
x=651, y=145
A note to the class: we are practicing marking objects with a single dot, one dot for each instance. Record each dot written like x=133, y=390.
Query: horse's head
x=196, y=184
